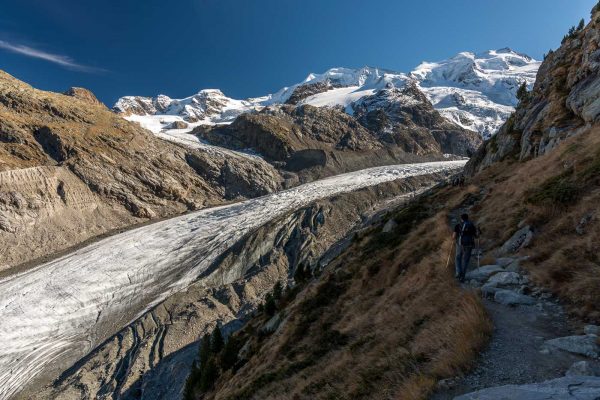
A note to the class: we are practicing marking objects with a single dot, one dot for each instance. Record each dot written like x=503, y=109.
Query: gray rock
x=483, y=273
x=271, y=325
x=566, y=388
x=505, y=261
x=519, y=239
x=489, y=291
x=505, y=279
x=512, y=298
x=585, y=220
x=583, y=368
x=390, y=226
x=591, y=330
x=514, y=266
x=586, y=345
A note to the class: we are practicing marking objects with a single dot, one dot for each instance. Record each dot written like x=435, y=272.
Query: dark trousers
x=463, y=256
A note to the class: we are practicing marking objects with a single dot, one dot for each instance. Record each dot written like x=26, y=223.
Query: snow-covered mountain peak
x=475, y=90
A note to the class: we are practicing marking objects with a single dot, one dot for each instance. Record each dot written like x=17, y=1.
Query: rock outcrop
x=83, y=94
x=71, y=169
x=406, y=118
x=564, y=102
x=391, y=126
x=569, y=387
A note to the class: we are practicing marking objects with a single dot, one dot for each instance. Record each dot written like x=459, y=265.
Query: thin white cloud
x=61, y=60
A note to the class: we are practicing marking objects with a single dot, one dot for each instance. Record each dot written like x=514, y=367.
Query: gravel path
x=517, y=353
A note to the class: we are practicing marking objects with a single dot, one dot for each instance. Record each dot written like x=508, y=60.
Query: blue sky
x=253, y=47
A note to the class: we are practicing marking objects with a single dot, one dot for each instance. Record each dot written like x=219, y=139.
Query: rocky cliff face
x=477, y=91
x=564, y=102
x=310, y=89
x=406, y=118
x=71, y=169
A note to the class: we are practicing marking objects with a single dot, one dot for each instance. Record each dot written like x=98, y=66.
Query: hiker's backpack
x=468, y=232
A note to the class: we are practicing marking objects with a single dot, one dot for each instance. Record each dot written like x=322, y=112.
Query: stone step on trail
x=565, y=388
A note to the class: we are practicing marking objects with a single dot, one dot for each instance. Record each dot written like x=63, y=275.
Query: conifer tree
x=572, y=31
x=217, y=341
x=270, y=305
x=192, y=381
x=229, y=356
x=205, y=350
x=277, y=291
x=581, y=25
x=209, y=375
x=523, y=93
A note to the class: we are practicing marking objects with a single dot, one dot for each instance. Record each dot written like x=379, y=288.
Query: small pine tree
x=581, y=25
x=209, y=375
x=229, y=356
x=522, y=93
x=192, y=381
x=217, y=341
x=205, y=350
x=270, y=305
x=595, y=9
x=572, y=31
x=277, y=291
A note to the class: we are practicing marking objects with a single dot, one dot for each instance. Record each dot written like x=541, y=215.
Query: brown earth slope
x=70, y=169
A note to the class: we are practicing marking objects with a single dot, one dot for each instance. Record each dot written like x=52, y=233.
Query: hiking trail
x=534, y=352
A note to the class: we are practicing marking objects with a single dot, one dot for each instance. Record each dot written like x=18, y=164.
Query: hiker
x=464, y=234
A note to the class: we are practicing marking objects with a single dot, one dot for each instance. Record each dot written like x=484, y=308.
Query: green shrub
x=556, y=191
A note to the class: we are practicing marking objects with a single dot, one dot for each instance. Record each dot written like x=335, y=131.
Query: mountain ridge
x=482, y=102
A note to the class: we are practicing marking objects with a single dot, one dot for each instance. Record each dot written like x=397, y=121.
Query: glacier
x=57, y=312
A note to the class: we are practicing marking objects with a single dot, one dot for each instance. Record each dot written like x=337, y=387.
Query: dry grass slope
x=558, y=195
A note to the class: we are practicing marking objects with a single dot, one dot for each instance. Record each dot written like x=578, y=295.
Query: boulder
x=519, y=239
x=271, y=325
x=586, y=345
x=505, y=261
x=512, y=298
x=583, y=368
x=566, y=388
x=505, y=279
x=483, y=273
x=591, y=330
x=514, y=266
x=489, y=291
x=390, y=226
x=178, y=125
